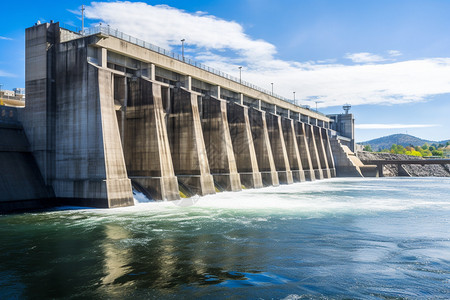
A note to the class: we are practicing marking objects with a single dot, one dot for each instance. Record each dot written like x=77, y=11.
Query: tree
x=437, y=153
x=397, y=149
x=448, y=143
x=368, y=148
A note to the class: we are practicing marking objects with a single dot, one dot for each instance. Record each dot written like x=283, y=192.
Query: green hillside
x=399, y=139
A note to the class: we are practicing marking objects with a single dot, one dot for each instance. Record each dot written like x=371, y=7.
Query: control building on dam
x=106, y=113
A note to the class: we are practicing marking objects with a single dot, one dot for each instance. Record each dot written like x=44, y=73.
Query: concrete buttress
x=313, y=151
x=321, y=151
x=263, y=148
x=71, y=123
x=244, y=149
x=190, y=160
x=146, y=143
x=292, y=149
x=219, y=147
x=329, y=152
x=302, y=142
x=279, y=151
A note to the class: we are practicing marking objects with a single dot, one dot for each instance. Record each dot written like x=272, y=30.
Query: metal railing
x=107, y=30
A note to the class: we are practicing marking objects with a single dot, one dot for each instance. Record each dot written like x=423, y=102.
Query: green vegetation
x=439, y=150
x=367, y=148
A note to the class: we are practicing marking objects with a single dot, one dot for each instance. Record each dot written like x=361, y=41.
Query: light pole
x=240, y=75
x=182, y=48
x=294, y=98
x=272, y=87
x=316, y=105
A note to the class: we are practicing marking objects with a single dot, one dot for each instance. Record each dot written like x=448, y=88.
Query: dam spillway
x=105, y=112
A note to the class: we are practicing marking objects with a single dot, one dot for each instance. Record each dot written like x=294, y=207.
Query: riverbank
x=413, y=170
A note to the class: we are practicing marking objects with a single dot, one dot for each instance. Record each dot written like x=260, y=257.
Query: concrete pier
x=303, y=146
x=279, y=151
x=244, y=149
x=190, y=159
x=313, y=150
x=71, y=122
x=329, y=152
x=321, y=151
x=263, y=148
x=292, y=149
x=219, y=147
x=146, y=144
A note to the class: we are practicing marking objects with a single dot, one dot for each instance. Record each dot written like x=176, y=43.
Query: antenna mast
x=82, y=19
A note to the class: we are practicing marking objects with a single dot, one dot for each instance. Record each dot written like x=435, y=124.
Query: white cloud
x=6, y=74
x=394, y=126
x=224, y=45
x=394, y=53
x=5, y=38
x=364, y=57
x=166, y=26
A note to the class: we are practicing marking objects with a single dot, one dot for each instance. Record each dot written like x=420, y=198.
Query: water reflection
x=116, y=260
x=168, y=256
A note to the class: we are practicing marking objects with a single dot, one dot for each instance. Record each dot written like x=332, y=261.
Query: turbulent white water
x=332, y=196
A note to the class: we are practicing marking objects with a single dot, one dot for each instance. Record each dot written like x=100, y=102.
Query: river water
x=341, y=238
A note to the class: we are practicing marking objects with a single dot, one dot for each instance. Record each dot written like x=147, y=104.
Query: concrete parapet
x=219, y=147
x=263, y=148
x=244, y=149
x=146, y=144
x=190, y=159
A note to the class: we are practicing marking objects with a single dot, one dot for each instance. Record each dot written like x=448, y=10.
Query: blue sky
x=389, y=59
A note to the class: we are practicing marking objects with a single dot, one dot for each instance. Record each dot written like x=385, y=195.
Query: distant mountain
x=400, y=139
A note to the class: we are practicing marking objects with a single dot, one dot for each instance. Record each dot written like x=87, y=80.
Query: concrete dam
x=106, y=113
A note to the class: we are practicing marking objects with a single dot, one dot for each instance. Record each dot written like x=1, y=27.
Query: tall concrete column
x=89, y=160
x=102, y=57
x=244, y=149
x=292, y=149
x=263, y=148
x=38, y=116
x=146, y=143
x=222, y=162
x=190, y=159
x=322, y=152
x=152, y=74
x=71, y=122
x=279, y=151
x=314, y=151
x=303, y=147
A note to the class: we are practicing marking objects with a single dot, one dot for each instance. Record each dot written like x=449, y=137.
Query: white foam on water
x=139, y=197
x=307, y=199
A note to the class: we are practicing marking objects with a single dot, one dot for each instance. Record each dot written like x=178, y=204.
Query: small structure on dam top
x=106, y=112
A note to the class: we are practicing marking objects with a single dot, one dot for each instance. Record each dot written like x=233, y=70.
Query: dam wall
x=105, y=113
x=21, y=184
